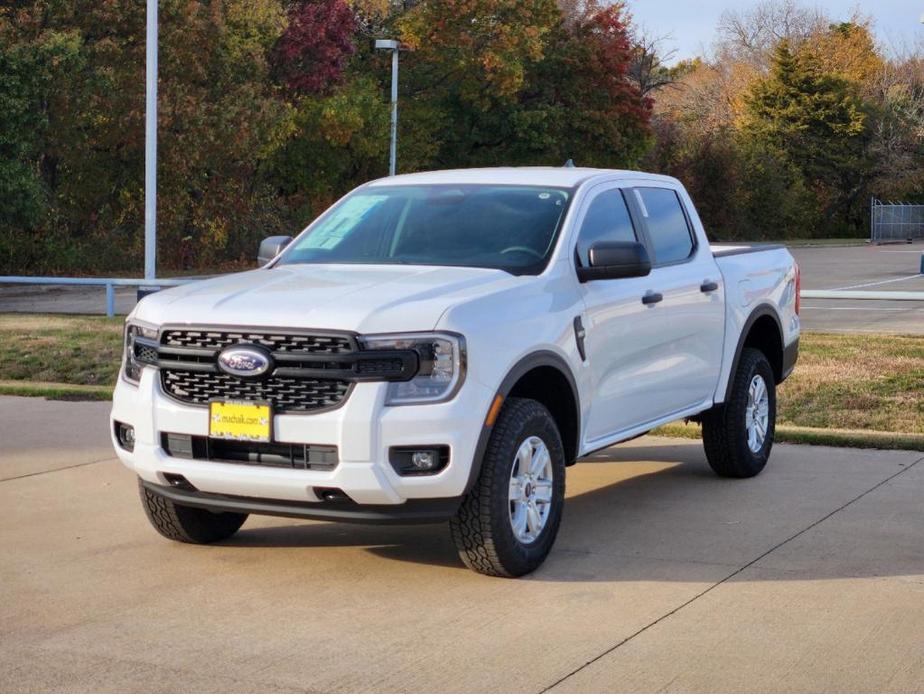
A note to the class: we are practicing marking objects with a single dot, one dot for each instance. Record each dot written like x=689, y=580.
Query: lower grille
x=286, y=394
x=286, y=455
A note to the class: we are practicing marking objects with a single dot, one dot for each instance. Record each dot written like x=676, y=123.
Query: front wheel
x=738, y=434
x=185, y=523
x=508, y=521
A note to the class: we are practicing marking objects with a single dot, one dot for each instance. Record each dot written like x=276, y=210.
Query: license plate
x=240, y=421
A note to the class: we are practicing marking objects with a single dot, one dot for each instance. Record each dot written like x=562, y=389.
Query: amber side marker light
x=494, y=411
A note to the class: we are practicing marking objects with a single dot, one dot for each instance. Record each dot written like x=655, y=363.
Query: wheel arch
x=762, y=330
x=545, y=377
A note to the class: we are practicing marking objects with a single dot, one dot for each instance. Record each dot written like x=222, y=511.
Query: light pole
x=391, y=45
x=150, y=145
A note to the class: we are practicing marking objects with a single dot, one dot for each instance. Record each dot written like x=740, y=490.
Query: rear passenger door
x=691, y=312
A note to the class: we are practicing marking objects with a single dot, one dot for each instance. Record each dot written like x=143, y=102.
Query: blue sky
x=691, y=23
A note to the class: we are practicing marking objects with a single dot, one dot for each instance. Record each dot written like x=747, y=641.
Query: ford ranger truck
x=442, y=346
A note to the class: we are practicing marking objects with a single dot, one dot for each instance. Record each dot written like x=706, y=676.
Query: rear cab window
x=668, y=229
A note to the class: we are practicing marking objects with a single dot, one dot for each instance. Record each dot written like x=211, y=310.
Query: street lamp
x=391, y=45
x=150, y=145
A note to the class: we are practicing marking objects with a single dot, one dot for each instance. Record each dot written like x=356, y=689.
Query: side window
x=667, y=225
x=607, y=219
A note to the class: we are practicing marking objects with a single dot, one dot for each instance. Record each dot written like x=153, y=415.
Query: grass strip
x=55, y=391
x=845, y=438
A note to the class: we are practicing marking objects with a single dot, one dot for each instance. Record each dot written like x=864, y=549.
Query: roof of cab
x=559, y=177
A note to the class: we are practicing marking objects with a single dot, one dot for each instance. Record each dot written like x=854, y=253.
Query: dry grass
x=79, y=350
x=847, y=382
x=856, y=382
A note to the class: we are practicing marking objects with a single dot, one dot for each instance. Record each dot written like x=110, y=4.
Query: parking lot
x=664, y=577
x=868, y=268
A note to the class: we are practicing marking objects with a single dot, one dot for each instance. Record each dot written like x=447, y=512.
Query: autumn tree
x=311, y=55
x=815, y=122
x=271, y=109
x=520, y=83
x=848, y=50
x=599, y=114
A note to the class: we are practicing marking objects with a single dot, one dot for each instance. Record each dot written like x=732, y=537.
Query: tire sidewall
x=520, y=558
x=757, y=366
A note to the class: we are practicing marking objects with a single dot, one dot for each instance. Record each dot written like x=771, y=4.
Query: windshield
x=511, y=228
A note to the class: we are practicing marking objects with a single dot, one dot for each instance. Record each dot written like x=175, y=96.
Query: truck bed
x=720, y=250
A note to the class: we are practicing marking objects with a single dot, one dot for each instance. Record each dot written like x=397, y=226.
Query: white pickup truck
x=441, y=346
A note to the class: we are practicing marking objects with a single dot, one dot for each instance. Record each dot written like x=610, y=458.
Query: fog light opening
x=418, y=460
x=125, y=435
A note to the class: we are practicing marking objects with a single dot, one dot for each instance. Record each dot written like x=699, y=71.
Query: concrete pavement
x=807, y=578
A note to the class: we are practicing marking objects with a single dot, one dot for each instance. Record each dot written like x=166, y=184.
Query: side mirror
x=611, y=260
x=270, y=247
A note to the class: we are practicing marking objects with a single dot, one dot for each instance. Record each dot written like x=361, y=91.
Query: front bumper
x=411, y=511
x=362, y=429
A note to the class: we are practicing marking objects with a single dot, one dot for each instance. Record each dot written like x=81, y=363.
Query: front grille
x=287, y=455
x=312, y=371
x=286, y=394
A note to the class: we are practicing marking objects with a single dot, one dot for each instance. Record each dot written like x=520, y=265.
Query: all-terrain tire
x=725, y=431
x=185, y=523
x=482, y=528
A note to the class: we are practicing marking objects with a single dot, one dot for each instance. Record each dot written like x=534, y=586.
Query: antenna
x=569, y=164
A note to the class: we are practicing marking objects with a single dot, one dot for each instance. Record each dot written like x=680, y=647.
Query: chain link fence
x=895, y=222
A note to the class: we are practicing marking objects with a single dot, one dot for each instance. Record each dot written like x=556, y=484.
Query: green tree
x=815, y=122
x=28, y=72
x=512, y=83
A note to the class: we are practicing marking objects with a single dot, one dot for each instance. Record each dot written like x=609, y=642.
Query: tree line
x=272, y=109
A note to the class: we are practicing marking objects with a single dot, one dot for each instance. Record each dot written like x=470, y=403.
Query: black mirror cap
x=614, y=260
x=270, y=247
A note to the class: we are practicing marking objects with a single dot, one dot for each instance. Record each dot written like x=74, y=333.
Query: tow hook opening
x=179, y=482
x=331, y=495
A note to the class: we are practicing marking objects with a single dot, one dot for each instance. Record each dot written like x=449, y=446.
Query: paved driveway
x=810, y=577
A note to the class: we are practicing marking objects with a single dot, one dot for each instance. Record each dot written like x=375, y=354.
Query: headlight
x=442, y=366
x=131, y=368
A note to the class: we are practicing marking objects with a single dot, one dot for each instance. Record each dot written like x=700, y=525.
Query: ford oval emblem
x=245, y=361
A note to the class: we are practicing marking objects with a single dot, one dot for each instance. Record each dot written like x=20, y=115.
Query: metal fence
x=895, y=222
x=110, y=283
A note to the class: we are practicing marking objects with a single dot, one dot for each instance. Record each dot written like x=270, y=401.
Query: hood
x=361, y=298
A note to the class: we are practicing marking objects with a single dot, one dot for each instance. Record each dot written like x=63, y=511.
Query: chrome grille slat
x=274, y=341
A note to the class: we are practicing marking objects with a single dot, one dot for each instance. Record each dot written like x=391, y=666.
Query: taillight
x=798, y=287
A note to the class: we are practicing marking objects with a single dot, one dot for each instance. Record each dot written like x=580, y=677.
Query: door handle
x=652, y=298
x=708, y=286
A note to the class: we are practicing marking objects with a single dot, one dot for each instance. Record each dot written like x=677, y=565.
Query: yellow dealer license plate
x=240, y=421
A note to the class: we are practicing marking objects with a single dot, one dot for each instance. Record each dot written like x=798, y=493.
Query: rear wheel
x=185, y=523
x=508, y=521
x=738, y=434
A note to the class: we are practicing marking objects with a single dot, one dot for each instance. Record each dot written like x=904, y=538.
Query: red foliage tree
x=609, y=54
x=313, y=50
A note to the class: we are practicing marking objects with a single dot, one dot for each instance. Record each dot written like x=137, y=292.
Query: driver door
x=621, y=333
